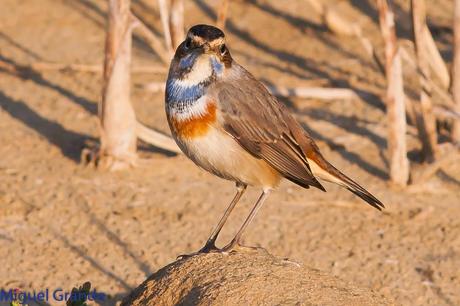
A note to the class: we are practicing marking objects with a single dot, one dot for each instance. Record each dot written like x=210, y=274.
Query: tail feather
x=358, y=190
x=329, y=173
x=363, y=194
x=322, y=169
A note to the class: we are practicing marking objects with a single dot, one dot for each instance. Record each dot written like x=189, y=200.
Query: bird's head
x=202, y=55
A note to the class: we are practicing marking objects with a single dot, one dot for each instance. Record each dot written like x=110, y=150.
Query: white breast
x=201, y=71
x=220, y=154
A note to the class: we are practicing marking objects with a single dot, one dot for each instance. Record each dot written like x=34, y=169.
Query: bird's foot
x=235, y=246
x=208, y=248
x=232, y=246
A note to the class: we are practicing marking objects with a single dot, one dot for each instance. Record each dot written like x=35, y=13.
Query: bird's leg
x=211, y=242
x=248, y=220
x=210, y=245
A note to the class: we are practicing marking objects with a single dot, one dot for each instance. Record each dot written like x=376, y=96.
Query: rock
x=246, y=278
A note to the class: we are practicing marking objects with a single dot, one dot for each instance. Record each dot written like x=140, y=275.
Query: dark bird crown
x=207, y=32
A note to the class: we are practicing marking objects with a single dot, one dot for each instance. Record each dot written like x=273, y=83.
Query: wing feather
x=263, y=127
x=258, y=122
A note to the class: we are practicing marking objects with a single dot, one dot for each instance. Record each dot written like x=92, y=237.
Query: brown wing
x=261, y=125
x=267, y=130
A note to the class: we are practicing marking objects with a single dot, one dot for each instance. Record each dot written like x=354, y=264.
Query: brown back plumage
x=257, y=121
x=266, y=129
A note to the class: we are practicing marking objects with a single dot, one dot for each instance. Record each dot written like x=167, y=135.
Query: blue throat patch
x=179, y=97
x=176, y=92
x=217, y=67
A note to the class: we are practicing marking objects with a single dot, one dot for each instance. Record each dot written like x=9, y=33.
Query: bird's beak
x=206, y=48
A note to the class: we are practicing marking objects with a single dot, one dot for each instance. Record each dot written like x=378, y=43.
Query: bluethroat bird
x=228, y=123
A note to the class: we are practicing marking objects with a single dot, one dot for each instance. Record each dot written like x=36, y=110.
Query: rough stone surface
x=248, y=277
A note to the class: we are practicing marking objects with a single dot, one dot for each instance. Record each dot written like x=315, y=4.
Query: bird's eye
x=223, y=49
x=188, y=43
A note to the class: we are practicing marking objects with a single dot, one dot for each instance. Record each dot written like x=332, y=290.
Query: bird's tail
x=322, y=169
x=325, y=171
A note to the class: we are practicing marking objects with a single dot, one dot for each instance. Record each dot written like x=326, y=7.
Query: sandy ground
x=62, y=223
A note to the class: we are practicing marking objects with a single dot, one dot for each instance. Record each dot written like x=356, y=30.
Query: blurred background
x=65, y=218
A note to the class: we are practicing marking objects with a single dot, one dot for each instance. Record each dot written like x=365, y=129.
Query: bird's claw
x=236, y=246
x=208, y=248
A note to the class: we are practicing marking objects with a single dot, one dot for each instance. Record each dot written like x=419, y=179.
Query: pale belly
x=218, y=153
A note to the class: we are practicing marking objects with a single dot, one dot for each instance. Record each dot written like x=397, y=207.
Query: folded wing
x=258, y=122
x=263, y=127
